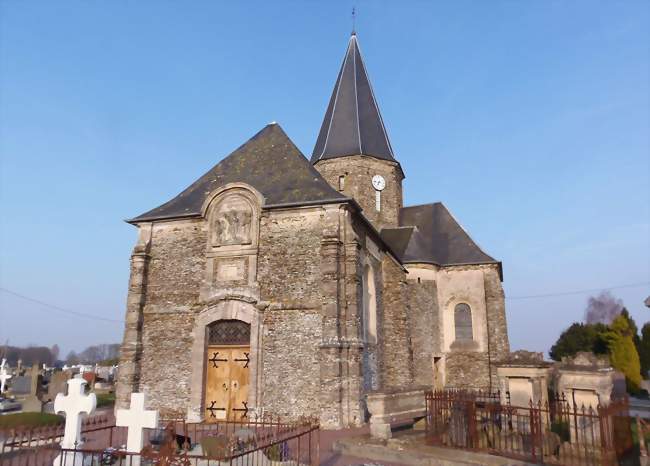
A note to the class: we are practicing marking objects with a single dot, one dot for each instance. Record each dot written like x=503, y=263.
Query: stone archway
x=229, y=309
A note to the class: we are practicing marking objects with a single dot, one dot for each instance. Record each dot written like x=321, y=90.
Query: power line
x=105, y=319
x=568, y=293
x=60, y=309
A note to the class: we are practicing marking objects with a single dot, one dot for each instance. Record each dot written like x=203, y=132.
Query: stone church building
x=277, y=284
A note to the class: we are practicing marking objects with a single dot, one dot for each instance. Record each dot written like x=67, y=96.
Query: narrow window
x=341, y=182
x=463, y=322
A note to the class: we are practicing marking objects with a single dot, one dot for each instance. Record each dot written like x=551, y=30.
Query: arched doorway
x=227, y=373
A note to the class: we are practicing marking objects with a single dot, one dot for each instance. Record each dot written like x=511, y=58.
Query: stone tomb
x=524, y=376
x=585, y=380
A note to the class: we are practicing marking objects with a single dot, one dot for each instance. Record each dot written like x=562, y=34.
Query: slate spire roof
x=352, y=123
x=270, y=162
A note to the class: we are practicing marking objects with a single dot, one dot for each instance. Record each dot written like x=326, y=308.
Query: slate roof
x=270, y=162
x=352, y=123
x=430, y=234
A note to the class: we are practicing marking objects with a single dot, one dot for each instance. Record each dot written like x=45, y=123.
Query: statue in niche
x=232, y=224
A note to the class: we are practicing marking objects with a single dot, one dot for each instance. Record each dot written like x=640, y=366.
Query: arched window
x=229, y=332
x=463, y=322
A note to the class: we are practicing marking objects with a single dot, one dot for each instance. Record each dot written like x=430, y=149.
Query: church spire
x=352, y=123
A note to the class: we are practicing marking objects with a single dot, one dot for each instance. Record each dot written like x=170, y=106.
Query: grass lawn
x=105, y=399
x=11, y=421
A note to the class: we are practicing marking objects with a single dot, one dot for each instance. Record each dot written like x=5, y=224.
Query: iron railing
x=557, y=432
x=249, y=442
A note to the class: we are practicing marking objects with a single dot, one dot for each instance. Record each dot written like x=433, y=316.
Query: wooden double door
x=226, y=383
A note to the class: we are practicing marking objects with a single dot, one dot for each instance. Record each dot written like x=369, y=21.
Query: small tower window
x=463, y=322
x=341, y=182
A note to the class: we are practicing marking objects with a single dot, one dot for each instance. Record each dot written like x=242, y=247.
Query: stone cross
x=135, y=419
x=74, y=405
x=4, y=375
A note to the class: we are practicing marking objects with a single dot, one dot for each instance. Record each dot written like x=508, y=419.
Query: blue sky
x=529, y=120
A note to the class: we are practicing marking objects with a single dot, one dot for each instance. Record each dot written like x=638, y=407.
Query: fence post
x=641, y=435
x=471, y=423
x=533, y=430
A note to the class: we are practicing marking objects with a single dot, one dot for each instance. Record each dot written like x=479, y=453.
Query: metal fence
x=252, y=442
x=557, y=432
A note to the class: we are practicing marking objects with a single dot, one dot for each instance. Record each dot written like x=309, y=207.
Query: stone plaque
x=230, y=270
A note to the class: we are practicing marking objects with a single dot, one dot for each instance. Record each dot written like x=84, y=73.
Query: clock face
x=378, y=182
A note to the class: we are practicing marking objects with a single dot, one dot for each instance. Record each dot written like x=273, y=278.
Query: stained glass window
x=229, y=332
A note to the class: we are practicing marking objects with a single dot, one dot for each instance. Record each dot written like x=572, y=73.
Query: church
x=280, y=285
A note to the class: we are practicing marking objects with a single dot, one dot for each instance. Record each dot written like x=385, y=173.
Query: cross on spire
x=354, y=21
x=75, y=405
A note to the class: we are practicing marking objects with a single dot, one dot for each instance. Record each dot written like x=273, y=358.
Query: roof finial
x=354, y=18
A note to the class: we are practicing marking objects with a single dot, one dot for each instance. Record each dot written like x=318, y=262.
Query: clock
x=378, y=182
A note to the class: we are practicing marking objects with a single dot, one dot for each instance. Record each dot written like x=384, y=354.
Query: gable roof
x=352, y=123
x=430, y=234
x=270, y=162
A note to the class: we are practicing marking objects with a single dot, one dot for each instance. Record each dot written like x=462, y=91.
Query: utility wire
x=60, y=309
x=510, y=298
x=568, y=293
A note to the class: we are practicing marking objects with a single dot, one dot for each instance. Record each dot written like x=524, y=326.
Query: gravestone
x=136, y=419
x=21, y=385
x=75, y=405
x=33, y=403
x=58, y=384
x=4, y=375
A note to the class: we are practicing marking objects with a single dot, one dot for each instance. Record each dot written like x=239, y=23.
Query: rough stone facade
x=333, y=296
x=358, y=171
x=434, y=292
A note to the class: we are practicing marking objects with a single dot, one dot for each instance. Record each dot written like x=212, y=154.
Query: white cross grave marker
x=4, y=376
x=74, y=405
x=135, y=419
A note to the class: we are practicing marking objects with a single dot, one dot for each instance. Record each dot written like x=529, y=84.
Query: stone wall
x=397, y=353
x=167, y=269
x=289, y=260
x=424, y=328
x=166, y=365
x=177, y=264
x=291, y=367
x=479, y=286
x=469, y=370
x=496, y=316
x=358, y=171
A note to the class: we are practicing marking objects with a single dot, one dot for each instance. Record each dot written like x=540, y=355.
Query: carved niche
x=232, y=216
x=232, y=221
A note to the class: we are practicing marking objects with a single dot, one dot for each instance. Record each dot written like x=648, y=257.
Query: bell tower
x=353, y=152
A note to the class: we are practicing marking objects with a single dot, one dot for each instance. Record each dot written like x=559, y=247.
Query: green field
x=11, y=421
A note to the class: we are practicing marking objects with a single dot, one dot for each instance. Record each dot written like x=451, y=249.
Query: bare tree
x=603, y=308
